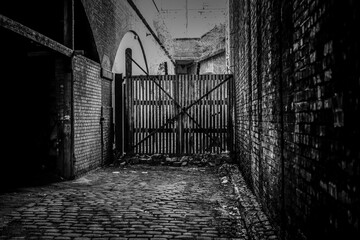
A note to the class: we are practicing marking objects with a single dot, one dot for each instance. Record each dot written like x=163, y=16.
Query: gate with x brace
x=177, y=114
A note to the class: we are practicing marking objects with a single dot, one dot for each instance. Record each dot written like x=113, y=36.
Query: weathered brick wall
x=107, y=114
x=87, y=113
x=297, y=92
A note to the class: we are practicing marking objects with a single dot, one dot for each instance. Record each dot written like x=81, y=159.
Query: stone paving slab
x=136, y=202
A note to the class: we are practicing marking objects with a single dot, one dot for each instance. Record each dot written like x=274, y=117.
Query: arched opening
x=130, y=48
x=132, y=41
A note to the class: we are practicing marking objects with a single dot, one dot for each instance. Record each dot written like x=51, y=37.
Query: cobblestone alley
x=136, y=202
x=197, y=119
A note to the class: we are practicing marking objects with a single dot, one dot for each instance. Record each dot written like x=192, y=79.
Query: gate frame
x=181, y=111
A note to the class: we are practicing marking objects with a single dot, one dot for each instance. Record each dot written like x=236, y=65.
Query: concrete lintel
x=26, y=32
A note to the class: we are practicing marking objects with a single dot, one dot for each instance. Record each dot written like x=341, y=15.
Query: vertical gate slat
x=138, y=112
x=170, y=150
x=193, y=125
x=184, y=87
x=195, y=114
x=187, y=123
x=216, y=116
x=138, y=135
x=158, y=137
x=141, y=112
x=166, y=80
x=181, y=136
x=213, y=112
x=129, y=112
x=210, y=114
x=225, y=87
x=168, y=114
x=190, y=122
x=216, y=111
x=184, y=117
x=206, y=110
x=161, y=98
x=202, y=109
x=148, y=115
x=168, y=109
x=223, y=115
x=198, y=146
x=227, y=110
x=174, y=82
x=220, y=112
x=126, y=115
x=165, y=115
x=145, y=115
x=153, y=109
x=161, y=112
x=155, y=123
x=151, y=140
x=163, y=106
x=132, y=114
x=135, y=113
x=201, y=106
x=172, y=114
x=141, y=122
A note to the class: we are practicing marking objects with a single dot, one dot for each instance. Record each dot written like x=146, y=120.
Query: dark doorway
x=29, y=103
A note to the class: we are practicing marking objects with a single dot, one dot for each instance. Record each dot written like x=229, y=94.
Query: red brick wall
x=297, y=94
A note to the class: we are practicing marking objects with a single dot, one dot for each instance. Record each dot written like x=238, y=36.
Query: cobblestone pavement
x=136, y=202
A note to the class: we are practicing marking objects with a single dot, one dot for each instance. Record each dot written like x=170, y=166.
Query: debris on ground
x=198, y=160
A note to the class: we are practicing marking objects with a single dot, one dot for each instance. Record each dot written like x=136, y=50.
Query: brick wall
x=87, y=113
x=107, y=113
x=297, y=92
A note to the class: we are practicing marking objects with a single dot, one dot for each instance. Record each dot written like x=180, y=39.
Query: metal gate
x=177, y=114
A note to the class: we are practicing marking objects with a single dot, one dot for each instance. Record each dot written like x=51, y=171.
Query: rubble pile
x=199, y=160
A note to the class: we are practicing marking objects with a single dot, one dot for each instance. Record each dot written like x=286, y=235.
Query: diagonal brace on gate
x=183, y=110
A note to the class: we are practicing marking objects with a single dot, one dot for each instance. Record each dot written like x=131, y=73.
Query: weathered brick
x=293, y=67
